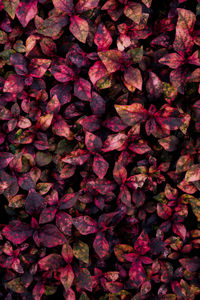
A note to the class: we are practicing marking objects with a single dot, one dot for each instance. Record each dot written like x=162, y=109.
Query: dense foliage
x=99, y=149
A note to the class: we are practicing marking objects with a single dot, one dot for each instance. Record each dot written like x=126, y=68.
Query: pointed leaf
x=79, y=28
x=85, y=225
x=26, y=11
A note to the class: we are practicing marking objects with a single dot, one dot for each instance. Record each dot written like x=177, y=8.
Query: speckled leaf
x=64, y=222
x=85, y=225
x=101, y=245
x=10, y=7
x=81, y=251
x=50, y=236
x=26, y=11
x=79, y=28
x=67, y=277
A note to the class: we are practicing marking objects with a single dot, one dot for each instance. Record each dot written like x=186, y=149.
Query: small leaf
x=111, y=59
x=10, y=7
x=101, y=245
x=66, y=6
x=81, y=251
x=132, y=114
x=67, y=277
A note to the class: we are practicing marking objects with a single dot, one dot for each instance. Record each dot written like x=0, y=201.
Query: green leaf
x=81, y=251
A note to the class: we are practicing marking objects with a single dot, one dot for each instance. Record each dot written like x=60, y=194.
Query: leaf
x=51, y=26
x=125, y=196
x=66, y=6
x=195, y=203
x=100, y=166
x=43, y=158
x=63, y=93
x=13, y=84
x=81, y=251
x=190, y=264
x=17, y=232
x=64, y=222
x=154, y=85
x=85, y=225
x=61, y=128
x=50, y=236
x=67, y=277
x=121, y=249
x=172, y=60
x=137, y=273
x=101, y=245
x=180, y=230
x=193, y=174
x=5, y=159
x=38, y=66
x=68, y=200
x=102, y=38
x=119, y=173
x=163, y=211
x=82, y=89
x=90, y=123
x=114, y=142
x=67, y=253
x=84, y=5
x=169, y=143
x=51, y=262
x=79, y=28
x=183, y=42
x=133, y=77
x=92, y=142
x=184, y=163
x=47, y=215
x=78, y=157
x=34, y=203
x=53, y=105
x=10, y=7
x=19, y=62
x=133, y=11
x=132, y=114
x=61, y=71
x=97, y=72
x=111, y=59
x=26, y=11
x=84, y=279
x=97, y=104
x=141, y=245
x=16, y=285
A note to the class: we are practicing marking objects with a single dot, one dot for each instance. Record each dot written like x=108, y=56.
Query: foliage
x=99, y=149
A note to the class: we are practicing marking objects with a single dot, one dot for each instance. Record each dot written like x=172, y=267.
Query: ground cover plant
x=99, y=149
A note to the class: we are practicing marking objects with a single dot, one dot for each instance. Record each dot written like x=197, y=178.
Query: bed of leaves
x=99, y=149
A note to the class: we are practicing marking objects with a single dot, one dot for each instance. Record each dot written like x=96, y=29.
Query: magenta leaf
x=26, y=11
x=34, y=203
x=85, y=225
x=13, y=84
x=50, y=236
x=17, y=232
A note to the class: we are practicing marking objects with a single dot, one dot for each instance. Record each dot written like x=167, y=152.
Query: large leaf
x=50, y=236
x=26, y=11
x=17, y=232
